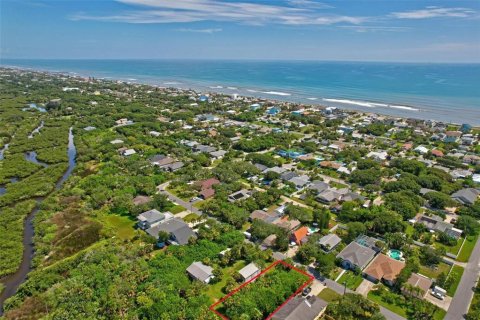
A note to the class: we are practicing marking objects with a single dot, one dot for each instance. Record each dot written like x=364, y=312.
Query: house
x=273, y=111
x=199, y=271
x=461, y=173
x=417, y=281
x=301, y=308
x=318, y=186
x=264, y=216
x=179, y=231
x=329, y=242
x=218, y=154
x=150, y=218
x=161, y=160
x=239, y=195
x=206, y=193
x=128, y=152
x=286, y=224
x=383, y=268
x=437, y=153
x=421, y=150
x=177, y=165
x=155, y=133
x=269, y=241
x=89, y=128
x=249, y=272
x=299, y=235
x=116, y=141
x=378, y=156
x=356, y=255
x=123, y=122
x=286, y=176
x=206, y=187
x=329, y=195
x=300, y=181
x=466, y=196
x=436, y=223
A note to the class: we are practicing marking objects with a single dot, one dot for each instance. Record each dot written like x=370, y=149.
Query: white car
x=437, y=295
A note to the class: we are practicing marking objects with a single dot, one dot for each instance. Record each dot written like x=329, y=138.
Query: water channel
x=13, y=281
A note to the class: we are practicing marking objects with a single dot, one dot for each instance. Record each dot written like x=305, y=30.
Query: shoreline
x=398, y=110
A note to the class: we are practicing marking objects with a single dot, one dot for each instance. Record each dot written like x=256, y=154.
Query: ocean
x=442, y=92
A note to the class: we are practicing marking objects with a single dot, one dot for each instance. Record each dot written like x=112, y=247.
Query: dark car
x=306, y=291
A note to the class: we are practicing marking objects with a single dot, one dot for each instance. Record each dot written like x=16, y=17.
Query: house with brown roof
x=383, y=268
x=437, y=153
x=206, y=188
x=299, y=235
x=418, y=286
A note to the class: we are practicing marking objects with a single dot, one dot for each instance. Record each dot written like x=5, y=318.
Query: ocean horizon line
x=249, y=60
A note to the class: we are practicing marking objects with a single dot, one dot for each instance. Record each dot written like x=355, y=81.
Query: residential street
x=187, y=205
x=340, y=290
x=464, y=294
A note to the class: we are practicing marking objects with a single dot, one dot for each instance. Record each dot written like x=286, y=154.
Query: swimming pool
x=395, y=254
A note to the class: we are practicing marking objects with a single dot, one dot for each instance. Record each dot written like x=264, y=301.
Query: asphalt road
x=187, y=205
x=340, y=290
x=464, y=294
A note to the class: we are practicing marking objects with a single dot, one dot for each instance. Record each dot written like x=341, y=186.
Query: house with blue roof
x=273, y=111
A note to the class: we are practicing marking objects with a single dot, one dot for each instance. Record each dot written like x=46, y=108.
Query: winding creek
x=13, y=281
x=36, y=130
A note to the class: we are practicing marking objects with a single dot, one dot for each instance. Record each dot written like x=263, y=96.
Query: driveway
x=444, y=304
x=364, y=287
x=340, y=290
x=464, y=294
x=187, y=205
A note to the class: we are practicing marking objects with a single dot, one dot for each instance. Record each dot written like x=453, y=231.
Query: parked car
x=437, y=295
x=306, y=291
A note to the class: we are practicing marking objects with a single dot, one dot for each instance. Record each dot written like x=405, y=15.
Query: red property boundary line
x=306, y=283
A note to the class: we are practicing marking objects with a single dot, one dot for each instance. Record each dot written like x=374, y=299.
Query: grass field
x=191, y=217
x=329, y=295
x=121, y=225
x=467, y=249
x=176, y=209
x=450, y=249
x=352, y=280
x=456, y=274
x=215, y=290
x=433, y=273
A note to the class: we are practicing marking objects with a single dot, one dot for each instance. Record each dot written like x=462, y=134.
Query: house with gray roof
x=436, y=223
x=249, y=272
x=199, y=271
x=286, y=176
x=179, y=231
x=466, y=196
x=301, y=308
x=151, y=218
x=239, y=195
x=300, y=181
x=329, y=242
x=356, y=255
x=318, y=186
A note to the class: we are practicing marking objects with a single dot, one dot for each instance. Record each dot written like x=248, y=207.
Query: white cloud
x=210, y=31
x=435, y=12
x=363, y=29
x=172, y=11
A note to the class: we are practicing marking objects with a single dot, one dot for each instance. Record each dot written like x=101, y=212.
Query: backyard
x=433, y=272
x=215, y=290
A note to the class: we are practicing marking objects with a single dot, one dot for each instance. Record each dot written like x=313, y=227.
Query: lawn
x=450, y=249
x=191, y=217
x=400, y=307
x=215, y=290
x=352, y=280
x=328, y=295
x=456, y=274
x=467, y=249
x=409, y=230
x=121, y=225
x=176, y=209
x=434, y=272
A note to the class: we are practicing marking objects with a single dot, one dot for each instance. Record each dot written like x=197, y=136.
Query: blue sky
x=376, y=30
